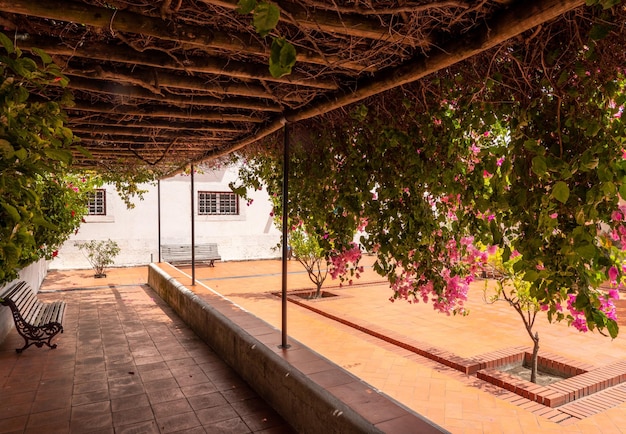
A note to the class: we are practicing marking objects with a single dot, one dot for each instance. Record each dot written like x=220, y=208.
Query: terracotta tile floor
x=459, y=403
x=125, y=364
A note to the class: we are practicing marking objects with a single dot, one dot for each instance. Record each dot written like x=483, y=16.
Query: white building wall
x=249, y=235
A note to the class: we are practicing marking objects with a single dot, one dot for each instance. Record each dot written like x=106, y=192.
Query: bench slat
x=45, y=316
x=28, y=307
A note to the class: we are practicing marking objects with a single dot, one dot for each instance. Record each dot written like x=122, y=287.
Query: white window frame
x=109, y=215
x=218, y=203
x=97, y=203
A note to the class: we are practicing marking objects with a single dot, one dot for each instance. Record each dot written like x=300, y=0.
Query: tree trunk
x=533, y=360
x=318, y=292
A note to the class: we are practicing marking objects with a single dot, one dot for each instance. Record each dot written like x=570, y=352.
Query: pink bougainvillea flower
x=613, y=273
x=554, y=215
x=486, y=174
x=614, y=235
x=579, y=322
x=617, y=216
x=499, y=161
x=624, y=154
x=486, y=133
x=614, y=294
x=540, y=267
x=475, y=149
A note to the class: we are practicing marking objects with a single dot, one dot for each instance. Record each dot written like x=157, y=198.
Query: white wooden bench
x=37, y=322
x=180, y=254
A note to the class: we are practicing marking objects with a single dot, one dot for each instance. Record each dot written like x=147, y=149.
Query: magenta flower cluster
x=343, y=263
x=452, y=296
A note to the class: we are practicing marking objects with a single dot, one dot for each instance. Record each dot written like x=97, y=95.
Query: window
x=217, y=203
x=96, y=203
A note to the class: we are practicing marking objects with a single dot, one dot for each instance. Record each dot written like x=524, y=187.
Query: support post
x=285, y=243
x=159, y=217
x=193, y=233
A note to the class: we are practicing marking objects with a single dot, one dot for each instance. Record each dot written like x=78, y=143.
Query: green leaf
x=7, y=43
x=11, y=211
x=608, y=188
x=282, y=57
x=246, y=6
x=22, y=154
x=59, y=155
x=266, y=16
x=531, y=276
x=613, y=328
x=45, y=57
x=560, y=191
x=586, y=250
x=539, y=165
x=607, y=4
x=7, y=150
x=622, y=190
x=598, y=32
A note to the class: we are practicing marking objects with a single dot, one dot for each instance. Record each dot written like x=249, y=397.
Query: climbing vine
x=523, y=154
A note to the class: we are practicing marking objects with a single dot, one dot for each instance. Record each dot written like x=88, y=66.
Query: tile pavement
x=124, y=364
x=450, y=398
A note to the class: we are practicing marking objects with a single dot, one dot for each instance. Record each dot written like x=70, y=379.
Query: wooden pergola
x=168, y=83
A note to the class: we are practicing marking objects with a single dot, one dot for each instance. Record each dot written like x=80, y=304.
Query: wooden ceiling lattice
x=166, y=83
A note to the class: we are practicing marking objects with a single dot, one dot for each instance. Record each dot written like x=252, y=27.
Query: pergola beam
x=154, y=81
x=192, y=64
x=182, y=142
x=146, y=134
x=149, y=112
x=344, y=24
x=152, y=124
x=124, y=92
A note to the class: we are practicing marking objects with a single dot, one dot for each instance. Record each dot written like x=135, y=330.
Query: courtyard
x=399, y=349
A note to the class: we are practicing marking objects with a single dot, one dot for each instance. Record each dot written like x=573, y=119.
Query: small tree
x=307, y=251
x=513, y=289
x=100, y=254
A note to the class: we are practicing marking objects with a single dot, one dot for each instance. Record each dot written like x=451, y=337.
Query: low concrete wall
x=33, y=275
x=306, y=405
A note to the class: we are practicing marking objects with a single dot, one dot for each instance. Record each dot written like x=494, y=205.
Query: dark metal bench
x=37, y=322
x=180, y=254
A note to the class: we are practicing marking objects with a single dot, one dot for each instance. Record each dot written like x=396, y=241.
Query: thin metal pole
x=159, y=215
x=284, y=343
x=193, y=234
